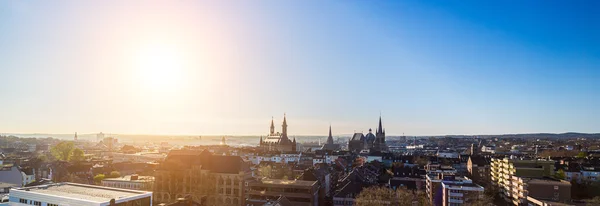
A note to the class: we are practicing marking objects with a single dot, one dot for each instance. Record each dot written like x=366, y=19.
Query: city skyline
x=184, y=68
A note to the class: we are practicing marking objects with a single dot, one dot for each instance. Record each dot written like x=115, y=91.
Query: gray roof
x=84, y=192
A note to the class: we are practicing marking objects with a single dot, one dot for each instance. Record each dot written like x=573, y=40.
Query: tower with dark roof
x=379, y=143
x=272, y=132
x=329, y=145
x=330, y=137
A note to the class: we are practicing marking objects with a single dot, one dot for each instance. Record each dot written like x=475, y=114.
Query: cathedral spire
x=284, y=126
x=330, y=137
x=272, y=132
x=380, y=128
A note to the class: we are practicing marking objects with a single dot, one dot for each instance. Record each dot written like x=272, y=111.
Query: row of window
x=31, y=202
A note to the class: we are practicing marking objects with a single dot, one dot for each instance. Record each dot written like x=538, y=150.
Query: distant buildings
x=330, y=145
x=78, y=194
x=276, y=141
x=134, y=182
x=370, y=142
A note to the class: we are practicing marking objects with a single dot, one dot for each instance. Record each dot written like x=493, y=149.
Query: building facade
x=134, y=182
x=298, y=192
x=503, y=171
x=278, y=141
x=206, y=178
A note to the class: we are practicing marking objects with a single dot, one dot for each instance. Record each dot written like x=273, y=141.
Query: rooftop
x=83, y=192
x=127, y=178
x=288, y=182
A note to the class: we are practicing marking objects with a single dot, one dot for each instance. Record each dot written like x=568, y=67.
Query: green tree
x=593, y=201
x=98, y=178
x=78, y=155
x=560, y=174
x=114, y=174
x=63, y=150
x=582, y=155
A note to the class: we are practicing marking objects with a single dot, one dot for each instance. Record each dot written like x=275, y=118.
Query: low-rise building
x=298, y=192
x=130, y=182
x=77, y=194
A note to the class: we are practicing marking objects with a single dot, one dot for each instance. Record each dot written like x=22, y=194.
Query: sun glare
x=160, y=67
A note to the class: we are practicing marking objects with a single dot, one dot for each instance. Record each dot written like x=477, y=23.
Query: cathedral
x=371, y=142
x=277, y=141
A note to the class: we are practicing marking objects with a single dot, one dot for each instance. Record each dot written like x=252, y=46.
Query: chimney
x=134, y=177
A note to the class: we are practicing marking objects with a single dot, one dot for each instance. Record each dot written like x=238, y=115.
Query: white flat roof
x=83, y=192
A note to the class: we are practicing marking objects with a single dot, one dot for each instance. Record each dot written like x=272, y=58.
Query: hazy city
x=299, y=103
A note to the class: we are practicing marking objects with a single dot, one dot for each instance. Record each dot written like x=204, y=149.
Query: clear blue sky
x=431, y=68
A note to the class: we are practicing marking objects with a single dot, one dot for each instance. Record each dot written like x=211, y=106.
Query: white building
x=77, y=194
x=488, y=149
x=448, y=154
x=459, y=193
x=130, y=182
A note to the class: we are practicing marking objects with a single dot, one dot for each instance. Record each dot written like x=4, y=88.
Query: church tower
x=272, y=132
x=379, y=144
x=284, y=127
x=330, y=137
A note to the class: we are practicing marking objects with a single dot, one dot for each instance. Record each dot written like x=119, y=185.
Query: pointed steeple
x=294, y=139
x=380, y=128
x=330, y=137
x=284, y=126
x=272, y=131
x=261, y=140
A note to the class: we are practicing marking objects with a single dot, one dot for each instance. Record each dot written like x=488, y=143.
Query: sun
x=160, y=66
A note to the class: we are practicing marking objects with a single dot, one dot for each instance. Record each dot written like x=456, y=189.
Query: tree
x=593, y=201
x=63, y=150
x=78, y=155
x=114, y=174
x=477, y=199
x=582, y=155
x=376, y=196
x=560, y=174
x=265, y=171
x=98, y=178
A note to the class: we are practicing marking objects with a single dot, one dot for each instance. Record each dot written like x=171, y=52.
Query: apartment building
x=503, y=171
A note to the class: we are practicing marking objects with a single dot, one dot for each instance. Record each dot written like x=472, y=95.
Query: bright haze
x=227, y=67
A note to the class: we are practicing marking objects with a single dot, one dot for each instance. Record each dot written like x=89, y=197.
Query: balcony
x=455, y=194
x=455, y=201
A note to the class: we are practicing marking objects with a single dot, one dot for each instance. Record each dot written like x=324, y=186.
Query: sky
x=228, y=67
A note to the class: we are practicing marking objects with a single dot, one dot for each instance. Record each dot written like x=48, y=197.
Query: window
x=49, y=204
x=38, y=203
x=555, y=187
x=23, y=201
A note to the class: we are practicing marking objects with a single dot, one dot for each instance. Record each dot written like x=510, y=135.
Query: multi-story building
x=540, y=189
x=298, y=192
x=206, y=178
x=457, y=193
x=503, y=171
x=77, y=194
x=130, y=182
x=443, y=189
x=478, y=168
